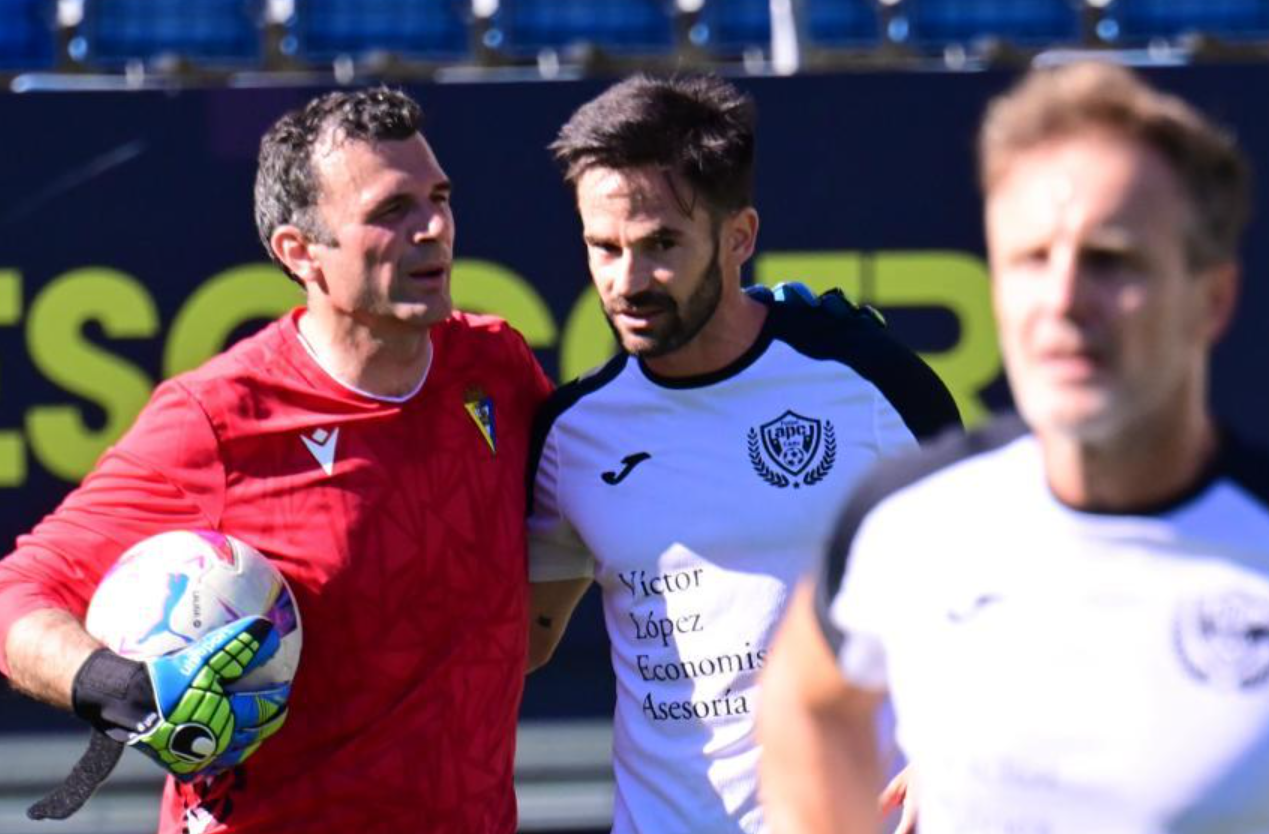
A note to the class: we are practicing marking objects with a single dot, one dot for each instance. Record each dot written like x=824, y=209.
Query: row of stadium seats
x=108, y=34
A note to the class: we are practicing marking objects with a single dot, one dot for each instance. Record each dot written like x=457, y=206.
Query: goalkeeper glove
x=176, y=709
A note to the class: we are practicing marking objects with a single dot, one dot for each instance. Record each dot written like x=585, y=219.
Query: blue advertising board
x=128, y=250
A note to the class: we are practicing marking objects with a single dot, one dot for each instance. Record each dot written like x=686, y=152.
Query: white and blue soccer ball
x=169, y=590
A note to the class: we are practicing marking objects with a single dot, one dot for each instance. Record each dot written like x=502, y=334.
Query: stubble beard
x=679, y=325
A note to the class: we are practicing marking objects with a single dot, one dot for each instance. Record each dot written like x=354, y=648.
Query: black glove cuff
x=113, y=694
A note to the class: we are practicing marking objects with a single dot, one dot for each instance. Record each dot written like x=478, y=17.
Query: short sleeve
x=852, y=598
x=537, y=384
x=556, y=551
x=164, y=474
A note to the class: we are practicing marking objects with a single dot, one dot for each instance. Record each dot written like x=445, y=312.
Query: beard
x=677, y=324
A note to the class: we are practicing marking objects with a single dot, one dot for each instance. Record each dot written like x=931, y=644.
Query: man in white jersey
x=1070, y=613
x=693, y=477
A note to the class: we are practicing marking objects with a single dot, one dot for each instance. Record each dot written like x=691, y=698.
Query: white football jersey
x=697, y=504
x=1056, y=671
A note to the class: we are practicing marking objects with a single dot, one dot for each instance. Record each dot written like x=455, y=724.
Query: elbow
x=540, y=654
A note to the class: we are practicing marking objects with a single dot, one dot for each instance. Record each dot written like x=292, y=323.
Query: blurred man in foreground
x=372, y=443
x=694, y=476
x=1070, y=613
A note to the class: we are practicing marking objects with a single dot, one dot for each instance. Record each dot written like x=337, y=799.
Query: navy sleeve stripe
x=863, y=344
x=561, y=400
x=887, y=477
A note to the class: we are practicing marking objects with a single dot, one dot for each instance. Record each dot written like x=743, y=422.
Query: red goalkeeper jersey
x=400, y=526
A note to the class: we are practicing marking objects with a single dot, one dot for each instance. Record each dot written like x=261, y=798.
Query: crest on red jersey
x=481, y=410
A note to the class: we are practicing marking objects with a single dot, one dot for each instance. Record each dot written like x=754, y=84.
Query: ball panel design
x=171, y=589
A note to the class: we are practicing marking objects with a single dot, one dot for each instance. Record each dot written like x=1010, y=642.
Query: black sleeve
x=856, y=337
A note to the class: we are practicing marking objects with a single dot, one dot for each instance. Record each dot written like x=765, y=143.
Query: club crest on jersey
x=481, y=410
x=793, y=450
x=1223, y=639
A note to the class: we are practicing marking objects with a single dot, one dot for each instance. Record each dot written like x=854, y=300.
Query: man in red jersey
x=373, y=444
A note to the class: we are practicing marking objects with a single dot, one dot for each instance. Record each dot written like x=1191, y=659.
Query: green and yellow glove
x=177, y=709
x=197, y=725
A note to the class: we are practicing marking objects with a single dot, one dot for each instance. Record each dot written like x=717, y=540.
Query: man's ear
x=292, y=247
x=1222, y=298
x=740, y=235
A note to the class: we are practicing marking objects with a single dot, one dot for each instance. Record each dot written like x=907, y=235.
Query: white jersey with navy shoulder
x=697, y=504
x=1056, y=671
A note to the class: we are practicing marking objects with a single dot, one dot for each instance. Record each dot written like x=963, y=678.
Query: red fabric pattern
x=407, y=561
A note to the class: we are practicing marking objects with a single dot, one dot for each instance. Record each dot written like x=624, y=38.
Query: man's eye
x=389, y=211
x=1032, y=258
x=1103, y=260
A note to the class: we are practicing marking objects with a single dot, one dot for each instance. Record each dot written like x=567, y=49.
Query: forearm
x=818, y=777
x=819, y=769
x=551, y=605
x=45, y=649
x=544, y=636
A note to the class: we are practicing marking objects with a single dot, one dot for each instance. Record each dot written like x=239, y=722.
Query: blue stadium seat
x=844, y=23
x=730, y=27
x=734, y=26
x=429, y=30
x=938, y=23
x=26, y=35
x=618, y=26
x=208, y=32
x=1139, y=20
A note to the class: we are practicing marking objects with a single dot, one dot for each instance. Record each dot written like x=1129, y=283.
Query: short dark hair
x=698, y=127
x=1058, y=103
x=287, y=186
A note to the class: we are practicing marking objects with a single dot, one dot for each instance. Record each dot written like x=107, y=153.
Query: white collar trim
x=308, y=348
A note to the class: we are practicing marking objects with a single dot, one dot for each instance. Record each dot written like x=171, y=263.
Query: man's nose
x=431, y=226
x=1068, y=285
x=630, y=275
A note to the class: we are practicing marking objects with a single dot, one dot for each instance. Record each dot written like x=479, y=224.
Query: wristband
x=114, y=694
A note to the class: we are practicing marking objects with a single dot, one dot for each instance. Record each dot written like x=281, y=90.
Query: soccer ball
x=169, y=590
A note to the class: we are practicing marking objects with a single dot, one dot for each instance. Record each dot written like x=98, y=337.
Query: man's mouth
x=1073, y=362
x=433, y=272
x=640, y=318
x=643, y=310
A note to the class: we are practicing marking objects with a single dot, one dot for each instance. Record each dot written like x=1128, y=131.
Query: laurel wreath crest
x=827, y=460
x=776, y=479
x=759, y=465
